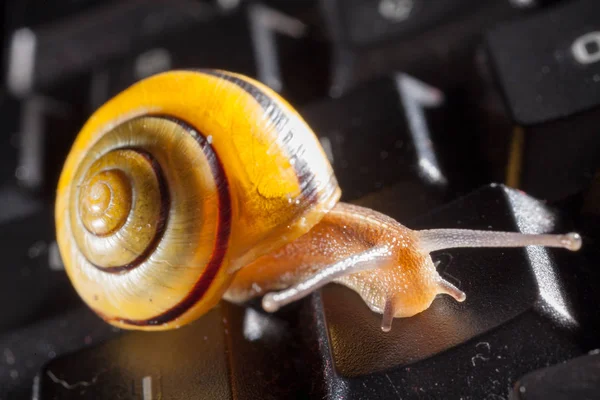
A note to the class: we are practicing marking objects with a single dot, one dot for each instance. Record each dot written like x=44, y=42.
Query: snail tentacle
x=366, y=260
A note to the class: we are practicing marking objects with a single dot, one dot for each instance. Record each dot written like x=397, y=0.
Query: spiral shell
x=178, y=182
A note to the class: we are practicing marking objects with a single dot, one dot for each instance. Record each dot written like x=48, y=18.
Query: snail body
x=191, y=186
x=395, y=273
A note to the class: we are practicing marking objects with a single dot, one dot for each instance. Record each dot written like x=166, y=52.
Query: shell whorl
x=178, y=182
x=128, y=240
x=121, y=207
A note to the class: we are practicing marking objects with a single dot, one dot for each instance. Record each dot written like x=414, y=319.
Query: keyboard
x=478, y=114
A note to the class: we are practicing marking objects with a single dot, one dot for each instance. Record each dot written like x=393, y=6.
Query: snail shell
x=175, y=184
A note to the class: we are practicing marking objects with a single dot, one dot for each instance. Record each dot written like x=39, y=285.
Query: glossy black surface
x=382, y=139
x=32, y=273
x=522, y=312
x=433, y=40
x=576, y=379
x=231, y=352
x=25, y=350
x=539, y=65
x=547, y=71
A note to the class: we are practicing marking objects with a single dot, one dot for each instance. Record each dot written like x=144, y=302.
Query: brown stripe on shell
x=279, y=118
x=221, y=242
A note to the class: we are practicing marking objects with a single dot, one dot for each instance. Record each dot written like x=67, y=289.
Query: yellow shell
x=178, y=182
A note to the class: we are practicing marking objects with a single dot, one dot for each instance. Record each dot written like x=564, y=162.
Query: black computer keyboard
x=479, y=114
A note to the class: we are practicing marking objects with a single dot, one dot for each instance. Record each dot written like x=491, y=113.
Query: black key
x=433, y=40
x=231, y=352
x=302, y=55
x=19, y=17
x=521, y=304
x=47, y=128
x=585, y=207
x=42, y=57
x=123, y=42
x=589, y=208
x=254, y=39
x=33, y=284
x=219, y=41
x=38, y=12
x=24, y=351
x=559, y=64
x=548, y=78
x=398, y=138
x=365, y=22
x=575, y=379
x=58, y=90
x=9, y=139
x=15, y=204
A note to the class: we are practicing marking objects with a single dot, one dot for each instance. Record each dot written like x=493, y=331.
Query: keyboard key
x=9, y=139
x=24, y=351
x=172, y=49
x=47, y=128
x=386, y=137
x=434, y=40
x=576, y=379
x=589, y=211
x=231, y=352
x=520, y=304
x=363, y=22
x=585, y=207
x=141, y=38
x=38, y=12
x=559, y=64
x=548, y=82
x=31, y=279
x=109, y=32
x=15, y=204
x=254, y=40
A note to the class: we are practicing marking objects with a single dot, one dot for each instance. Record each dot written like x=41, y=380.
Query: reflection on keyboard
x=476, y=114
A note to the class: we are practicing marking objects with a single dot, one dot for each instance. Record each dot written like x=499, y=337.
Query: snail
x=192, y=186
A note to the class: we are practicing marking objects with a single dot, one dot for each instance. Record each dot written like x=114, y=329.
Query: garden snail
x=191, y=186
